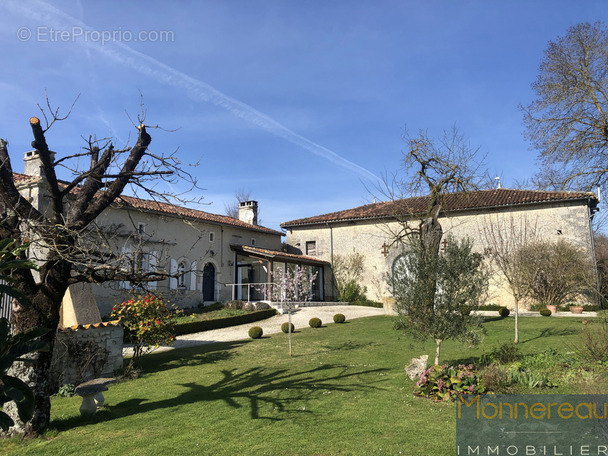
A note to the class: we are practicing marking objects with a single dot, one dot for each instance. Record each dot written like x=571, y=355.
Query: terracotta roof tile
x=453, y=202
x=172, y=209
x=93, y=325
x=276, y=254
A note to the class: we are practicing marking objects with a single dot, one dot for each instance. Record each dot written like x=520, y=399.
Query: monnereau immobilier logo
x=532, y=425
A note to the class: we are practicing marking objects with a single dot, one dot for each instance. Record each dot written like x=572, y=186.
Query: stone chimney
x=33, y=164
x=248, y=212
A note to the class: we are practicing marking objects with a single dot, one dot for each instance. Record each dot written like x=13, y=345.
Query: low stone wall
x=84, y=352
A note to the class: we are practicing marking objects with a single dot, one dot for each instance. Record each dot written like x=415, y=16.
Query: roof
x=171, y=209
x=453, y=202
x=179, y=211
x=276, y=254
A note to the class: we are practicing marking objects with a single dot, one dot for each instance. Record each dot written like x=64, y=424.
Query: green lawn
x=343, y=392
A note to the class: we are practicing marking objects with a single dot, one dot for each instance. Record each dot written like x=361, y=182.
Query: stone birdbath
x=92, y=394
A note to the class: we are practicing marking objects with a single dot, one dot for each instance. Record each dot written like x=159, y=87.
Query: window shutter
x=152, y=268
x=193, y=276
x=125, y=264
x=173, y=270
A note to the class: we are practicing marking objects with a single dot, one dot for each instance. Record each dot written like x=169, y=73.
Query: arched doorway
x=209, y=282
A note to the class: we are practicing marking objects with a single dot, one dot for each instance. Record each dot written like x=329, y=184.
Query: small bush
x=315, y=322
x=261, y=306
x=339, y=318
x=255, y=332
x=285, y=327
x=496, y=379
x=504, y=354
x=504, y=312
x=489, y=307
x=444, y=383
x=236, y=304
x=67, y=390
x=545, y=312
x=466, y=311
x=249, y=307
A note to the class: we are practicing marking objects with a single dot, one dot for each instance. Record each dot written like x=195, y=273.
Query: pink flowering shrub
x=444, y=383
x=148, y=322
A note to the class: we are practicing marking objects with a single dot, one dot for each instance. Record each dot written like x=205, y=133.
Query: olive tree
x=460, y=287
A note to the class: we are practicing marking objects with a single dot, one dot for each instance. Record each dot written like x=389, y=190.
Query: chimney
x=33, y=164
x=248, y=212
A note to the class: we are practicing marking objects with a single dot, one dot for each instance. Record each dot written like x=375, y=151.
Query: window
x=212, y=237
x=252, y=241
x=181, y=279
x=311, y=248
x=141, y=228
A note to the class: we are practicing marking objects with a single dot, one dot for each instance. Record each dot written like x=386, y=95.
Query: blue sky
x=302, y=103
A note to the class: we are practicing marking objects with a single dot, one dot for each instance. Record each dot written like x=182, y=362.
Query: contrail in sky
x=198, y=90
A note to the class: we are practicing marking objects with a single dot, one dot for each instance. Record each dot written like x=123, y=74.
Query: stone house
x=210, y=257
x=370, y=229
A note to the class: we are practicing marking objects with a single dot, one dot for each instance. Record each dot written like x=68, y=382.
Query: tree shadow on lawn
x=549, y=332
x=256, y=386
x=189, y=356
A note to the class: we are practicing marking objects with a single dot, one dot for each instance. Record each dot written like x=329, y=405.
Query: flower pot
x=576, y=309
x=552, y=308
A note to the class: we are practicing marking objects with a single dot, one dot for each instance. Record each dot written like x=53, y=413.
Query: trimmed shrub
x=466, y=311
x=249, y=307
x=504, y=312
x=261, y=306
x=255, y=332
x=339, y=318
x=285, y=327
x=545, y=312
x=236, y=304
x=315, y=322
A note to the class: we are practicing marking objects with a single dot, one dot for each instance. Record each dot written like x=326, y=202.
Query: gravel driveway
x=270, y=326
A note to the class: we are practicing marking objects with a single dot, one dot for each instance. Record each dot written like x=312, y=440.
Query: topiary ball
x=466, y=311
x=339, y=318
x=504, y=312
x=315, y=322
x=255, y=332
x=545, y=312
x=285, y=327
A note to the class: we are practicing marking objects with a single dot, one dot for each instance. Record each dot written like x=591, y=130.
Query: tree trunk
x=437, y=350
x=516, y=341
x=290, y=352
x=42, y=312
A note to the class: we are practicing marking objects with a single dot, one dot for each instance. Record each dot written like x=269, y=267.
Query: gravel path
x=270, y=326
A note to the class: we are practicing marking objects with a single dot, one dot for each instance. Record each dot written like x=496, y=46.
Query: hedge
x=190, y=327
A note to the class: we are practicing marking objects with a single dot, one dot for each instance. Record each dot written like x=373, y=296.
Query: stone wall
x=85, y=352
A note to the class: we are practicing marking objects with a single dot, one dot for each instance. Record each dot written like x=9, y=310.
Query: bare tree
x=63, y=234
x=241, y=196
x=559, y=272
x=433, y=168
x=505, y=239
x=568, y=120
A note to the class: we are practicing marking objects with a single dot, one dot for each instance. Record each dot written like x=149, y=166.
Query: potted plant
x=576, y=309
x=552, y=308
